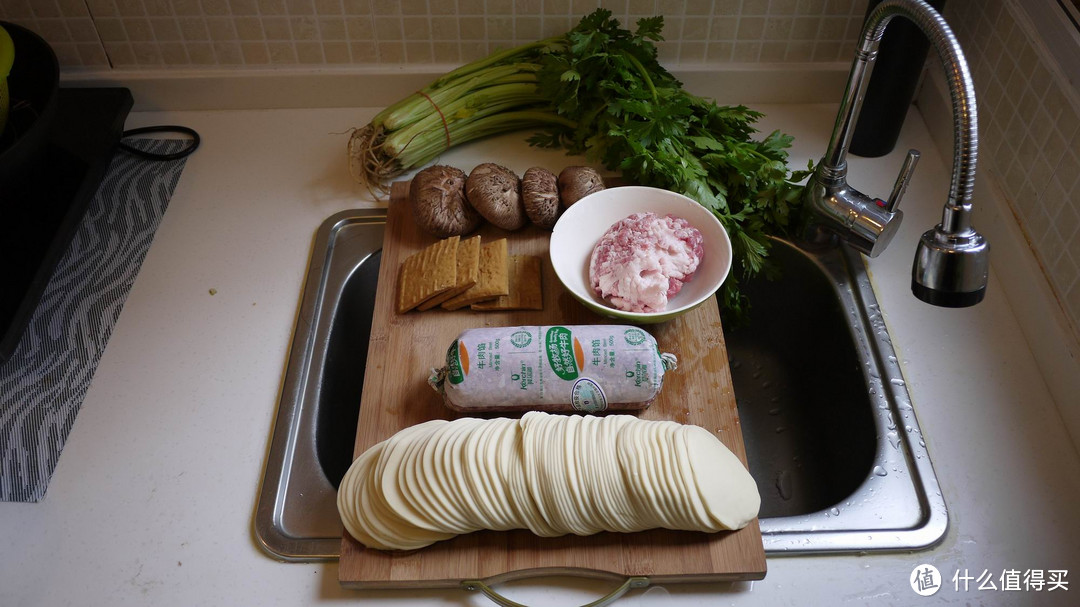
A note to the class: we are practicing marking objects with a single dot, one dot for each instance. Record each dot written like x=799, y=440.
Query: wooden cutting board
x=396, y=395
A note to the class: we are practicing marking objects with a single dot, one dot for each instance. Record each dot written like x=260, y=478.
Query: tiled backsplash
x=127, y=34
x=1029, y=129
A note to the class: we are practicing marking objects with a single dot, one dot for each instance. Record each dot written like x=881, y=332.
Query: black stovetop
x=40, y=215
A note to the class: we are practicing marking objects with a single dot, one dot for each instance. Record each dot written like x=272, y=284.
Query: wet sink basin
x=830, y=434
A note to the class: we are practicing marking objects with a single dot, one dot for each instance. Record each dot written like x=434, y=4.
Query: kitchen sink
x=830, y=434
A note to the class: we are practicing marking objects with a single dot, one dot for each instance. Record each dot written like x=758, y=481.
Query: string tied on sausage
x=437, y=378
x=669, y=360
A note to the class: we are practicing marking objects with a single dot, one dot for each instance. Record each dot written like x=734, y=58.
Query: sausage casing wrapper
x=585, y=368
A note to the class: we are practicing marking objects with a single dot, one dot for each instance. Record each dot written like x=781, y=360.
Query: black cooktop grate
x=39, y=216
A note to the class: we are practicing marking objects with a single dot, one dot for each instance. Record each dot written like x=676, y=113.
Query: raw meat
x=644, y=260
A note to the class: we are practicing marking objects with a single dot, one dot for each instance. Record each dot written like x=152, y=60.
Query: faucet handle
x=902, y=180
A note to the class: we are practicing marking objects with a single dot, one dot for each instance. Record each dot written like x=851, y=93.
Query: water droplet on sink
x=835, y=511
x=775, y=411
x=892, y=422
x=908, y=428
x=892, y=359
x=756, y=374
x=780, y=429
x=922, y=443
x=735, y=364
x=896, y=381
x=783, y=484
x=774, y=399
x=766, y=384
x=894, y=440
x=879, y=471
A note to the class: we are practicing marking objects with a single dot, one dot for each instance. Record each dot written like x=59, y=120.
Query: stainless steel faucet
x=952, y=260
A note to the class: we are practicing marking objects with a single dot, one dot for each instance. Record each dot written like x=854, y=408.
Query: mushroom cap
x=577, y=182
x=495, y=192
x=439, y=206
x=540, y=195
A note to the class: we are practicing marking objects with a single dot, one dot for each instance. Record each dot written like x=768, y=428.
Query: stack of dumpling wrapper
x=551, y=474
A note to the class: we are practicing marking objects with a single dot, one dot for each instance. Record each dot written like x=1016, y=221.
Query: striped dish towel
x=43, y=384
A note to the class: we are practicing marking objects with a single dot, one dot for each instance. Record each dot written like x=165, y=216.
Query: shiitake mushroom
x=495, y=192
x=439, y=206
x=540, y=195
x=577, y=182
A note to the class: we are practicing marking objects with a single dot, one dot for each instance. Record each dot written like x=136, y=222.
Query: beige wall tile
x=120, y=54
x=92, y=55
x=364, y=52
x=386, y=7
x=414, y=7
x=128, y=8
x=111, y=30
x=391, y=52
x=799, y=51
x=281, y=53
x=500, y=28
x=692, y=51
x=304, y=28
x=333, y=28
x=444, y=28
x=221, y=29
x=309, y=53
x=146, y=53
x=527, y=29
x=201, y=53
x=216, y=8
x=242, y=8
x=300, y=7
x=470, y=7
x=228, y=53
x=554, y=25
x=443, y=7
x=416, y=28
x=138, y=29
x=750, y=28
x=472, y=50
x=73, y=8
x=446, y=52
x=388, y=28
x=276, y=28
x=357, y=7
x=472, y=28
x=193, y=28
x=173, y=53
x=363, y=28
x=418, y=52
x=82, y=30
x=773, y=51
x=336, y=52
x=555, y=7
x=249, y=28
x=254, y=53
x=271, y=7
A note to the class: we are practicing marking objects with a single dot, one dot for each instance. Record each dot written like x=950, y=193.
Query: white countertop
x=153, y=498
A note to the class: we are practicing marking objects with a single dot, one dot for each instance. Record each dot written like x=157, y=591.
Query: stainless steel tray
x=296, y=518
